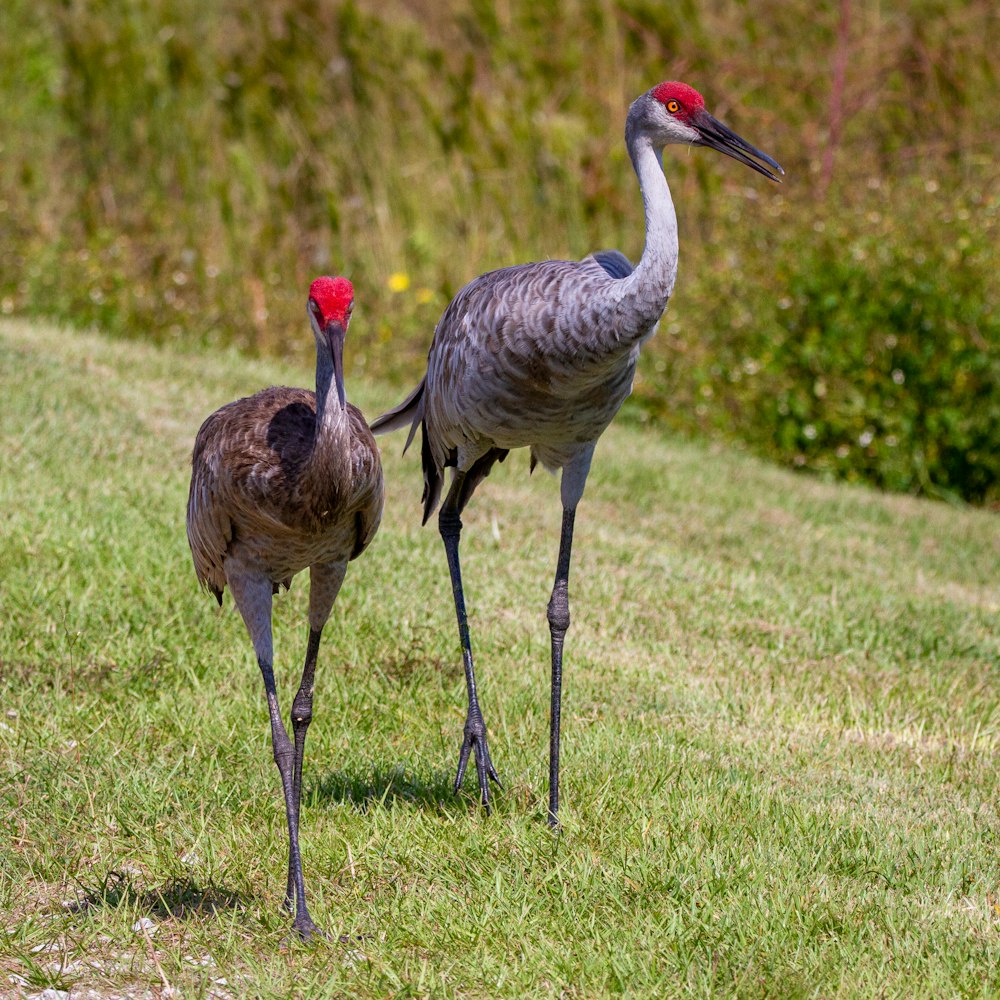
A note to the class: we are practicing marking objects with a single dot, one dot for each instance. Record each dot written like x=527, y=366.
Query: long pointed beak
x=715, y=135
x=335, y=333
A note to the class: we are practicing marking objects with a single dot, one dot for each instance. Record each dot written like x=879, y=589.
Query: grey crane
x=284, y=480
x=542, y=356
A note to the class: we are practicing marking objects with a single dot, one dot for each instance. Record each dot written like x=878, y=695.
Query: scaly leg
x=284, y=755
x=301, y=717
x=474, y=739
x=558, y=615
x=574, y=479
x=252, y=594
x=324, y=584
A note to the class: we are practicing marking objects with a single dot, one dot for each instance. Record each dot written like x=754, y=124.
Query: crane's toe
x=304, y=929
x=474, y=742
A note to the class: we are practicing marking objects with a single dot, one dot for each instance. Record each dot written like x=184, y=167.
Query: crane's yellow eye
x=673, y=107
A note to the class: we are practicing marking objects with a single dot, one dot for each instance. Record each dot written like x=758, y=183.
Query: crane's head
x=673, y=112
x=330, y=303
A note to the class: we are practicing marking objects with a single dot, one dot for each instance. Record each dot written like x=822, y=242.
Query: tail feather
x=432, y=475
x=410, y=411
x=614, y=262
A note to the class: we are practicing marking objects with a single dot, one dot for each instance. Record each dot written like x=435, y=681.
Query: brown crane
x=542, y=356
x=281, y=481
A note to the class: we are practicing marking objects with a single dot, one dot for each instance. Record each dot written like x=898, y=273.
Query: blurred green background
x=178, y=170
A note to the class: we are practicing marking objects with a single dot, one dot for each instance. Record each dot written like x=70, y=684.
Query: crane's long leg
x=574, y=478
x=324, y=584
x=474, y=739
x=252, y=594
x=558, y=615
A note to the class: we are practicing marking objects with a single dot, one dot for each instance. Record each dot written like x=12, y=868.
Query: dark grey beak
x=335, y=334
x=715, y=135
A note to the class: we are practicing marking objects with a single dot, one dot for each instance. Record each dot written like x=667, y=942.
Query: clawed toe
x=475, y=743
x=307, y=932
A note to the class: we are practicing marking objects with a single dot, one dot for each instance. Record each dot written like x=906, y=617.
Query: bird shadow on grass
x=387, y=788
x=177, y=898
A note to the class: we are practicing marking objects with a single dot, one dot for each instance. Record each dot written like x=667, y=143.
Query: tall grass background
x=178, y=170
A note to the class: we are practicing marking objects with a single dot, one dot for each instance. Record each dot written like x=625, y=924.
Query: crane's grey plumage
x=282, y=481
x=542, y=356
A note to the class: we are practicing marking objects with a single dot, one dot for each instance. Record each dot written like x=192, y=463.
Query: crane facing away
x=283, y=480
x=542, y=356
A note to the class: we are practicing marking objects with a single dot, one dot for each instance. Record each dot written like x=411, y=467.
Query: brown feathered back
x=264, y=482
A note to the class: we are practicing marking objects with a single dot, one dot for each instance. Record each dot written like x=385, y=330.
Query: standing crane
x=542, y=356
x=283, y=480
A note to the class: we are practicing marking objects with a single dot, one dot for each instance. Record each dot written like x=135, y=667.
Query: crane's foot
x=474, y=741
x=303, y=926
x=304, y=930
x=553, y=820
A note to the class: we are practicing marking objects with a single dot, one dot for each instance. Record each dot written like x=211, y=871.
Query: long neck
x=650, y=285
x=330, y=461
x=606, y=326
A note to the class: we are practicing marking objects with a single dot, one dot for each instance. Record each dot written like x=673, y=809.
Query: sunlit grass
x=780, y=739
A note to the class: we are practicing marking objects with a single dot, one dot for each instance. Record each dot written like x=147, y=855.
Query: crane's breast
x=528, y=356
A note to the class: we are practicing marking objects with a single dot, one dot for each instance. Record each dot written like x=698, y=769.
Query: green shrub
x=179, y=170
x=888, y=369
x=872, y=355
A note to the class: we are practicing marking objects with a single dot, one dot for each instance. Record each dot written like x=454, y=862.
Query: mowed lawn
x=780, y=739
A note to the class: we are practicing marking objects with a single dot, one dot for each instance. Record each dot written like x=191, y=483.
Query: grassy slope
x=780, y=741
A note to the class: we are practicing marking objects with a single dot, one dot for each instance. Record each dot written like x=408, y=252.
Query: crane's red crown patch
x=334, y=297
x=687, y=97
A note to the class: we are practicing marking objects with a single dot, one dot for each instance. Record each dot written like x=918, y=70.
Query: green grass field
x=781, y=724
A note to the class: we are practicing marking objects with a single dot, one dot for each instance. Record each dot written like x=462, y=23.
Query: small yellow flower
x=424, y=295
x=399, y=281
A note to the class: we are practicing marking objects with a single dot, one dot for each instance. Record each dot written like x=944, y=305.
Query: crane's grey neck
x=330, y=415
x=652, y=281
x=328, y=472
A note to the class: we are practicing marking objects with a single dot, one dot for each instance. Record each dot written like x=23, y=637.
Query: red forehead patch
x=333, y=296
x=687, y=97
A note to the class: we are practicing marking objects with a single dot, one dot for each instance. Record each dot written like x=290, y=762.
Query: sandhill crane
x=283, y=480
x=542, y=356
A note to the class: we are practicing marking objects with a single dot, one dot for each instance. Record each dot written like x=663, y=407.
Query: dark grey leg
x=284, y=757
x=450, y=526
x=301, y=717
x=558, y=615
x=574, y=479
x=252, y=594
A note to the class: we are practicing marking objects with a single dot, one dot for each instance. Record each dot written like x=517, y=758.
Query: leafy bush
x=885, y=370
x=870, y=357
x=179, y=170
